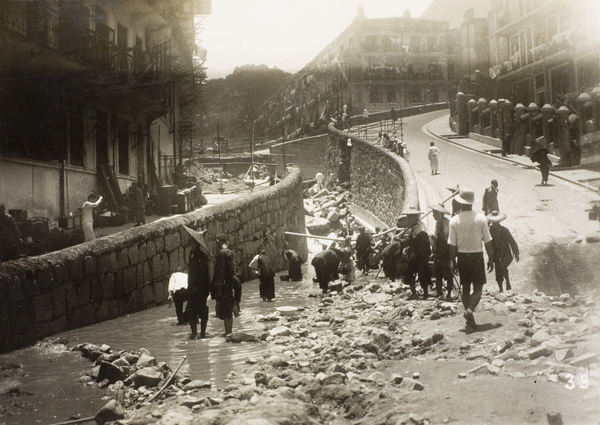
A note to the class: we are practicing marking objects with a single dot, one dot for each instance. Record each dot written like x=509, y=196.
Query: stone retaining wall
x=381, y=182
x=128, y=272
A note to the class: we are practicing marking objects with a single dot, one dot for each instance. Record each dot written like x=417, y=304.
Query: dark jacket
x=505, y=246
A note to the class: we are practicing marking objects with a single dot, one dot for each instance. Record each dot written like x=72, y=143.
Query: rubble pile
x=339, y=361
x=327, y=210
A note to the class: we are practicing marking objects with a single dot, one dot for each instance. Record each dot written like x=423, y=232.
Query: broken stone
x=554, y=418
x=145, y=361
x=197, y=385
x=397, y=379
x=539, y=352
x=239, y=337
x=111, y=411
x=146, y=377
x=553, y=315
x=190, y=401
x=584, y=359
x=539, y=337
x=412, y=384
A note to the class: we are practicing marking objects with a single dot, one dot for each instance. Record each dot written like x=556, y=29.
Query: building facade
x=375, y=64
x=87, y=84
x=542, y=50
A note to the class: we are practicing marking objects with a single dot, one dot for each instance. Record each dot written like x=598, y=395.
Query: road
x=548, y=222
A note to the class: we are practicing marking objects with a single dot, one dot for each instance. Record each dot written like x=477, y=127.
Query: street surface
x=545, y=220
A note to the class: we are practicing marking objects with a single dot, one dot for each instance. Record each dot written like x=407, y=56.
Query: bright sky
x=286, y=34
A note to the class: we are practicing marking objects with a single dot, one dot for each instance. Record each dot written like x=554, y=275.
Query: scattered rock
x=111, y=411
x=238, y=337
x=197, y=385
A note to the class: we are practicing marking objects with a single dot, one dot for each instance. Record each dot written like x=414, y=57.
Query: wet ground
x=51, y=374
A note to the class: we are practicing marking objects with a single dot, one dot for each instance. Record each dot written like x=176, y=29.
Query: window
x=432, y=45
x=374, y=95
x=415, y=96
x=414, y=43
x=391, y=95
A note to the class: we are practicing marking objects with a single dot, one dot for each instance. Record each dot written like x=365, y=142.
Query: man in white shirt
x=467, y=231
x=87, y=217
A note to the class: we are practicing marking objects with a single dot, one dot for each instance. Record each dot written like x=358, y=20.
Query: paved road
x=546, y=220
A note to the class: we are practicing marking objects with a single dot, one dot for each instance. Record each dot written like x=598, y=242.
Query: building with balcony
x=542, y=50
x=375, y=64
x=88, y=86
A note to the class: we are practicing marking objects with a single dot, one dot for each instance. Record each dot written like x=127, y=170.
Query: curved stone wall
x=381, y=182
x=127, y=272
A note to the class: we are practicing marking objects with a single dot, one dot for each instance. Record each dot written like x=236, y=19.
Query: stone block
x=107, y=310
x=147, y=294
x=172, y=241
x=71, y=295
x=174, y=261
x=412, y=384
x=147, y=274
x=44, y=279
x=61, y=272
x=563, y=354
x=160, y=291
x=133, y=255
x=122, y=259
x=96, y=291
x=129, y=280
x=76, y=268
x=159, y=242
x=108, y=286
x=107, y=263
x=150, y=249
x=14, y=290
x=82, y=316
x=59, y=301
x=90, y=265
x=537, y=352
x=119, y=285
x=142, y=252
x=584, y=360
x=139, y=276
x=44, y=310
x=84, y=293
x=157, y=266
x=58, y=325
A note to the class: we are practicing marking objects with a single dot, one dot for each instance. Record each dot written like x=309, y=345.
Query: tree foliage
x=232, y=102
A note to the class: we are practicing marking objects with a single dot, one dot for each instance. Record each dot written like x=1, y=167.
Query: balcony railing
x=40, y=24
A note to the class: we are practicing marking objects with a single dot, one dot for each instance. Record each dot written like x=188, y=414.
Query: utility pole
x=221, y=190
x=252, y=153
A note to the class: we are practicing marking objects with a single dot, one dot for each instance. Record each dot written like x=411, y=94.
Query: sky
x=286, y=34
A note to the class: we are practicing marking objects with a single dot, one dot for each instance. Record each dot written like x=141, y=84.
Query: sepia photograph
x=299, y=212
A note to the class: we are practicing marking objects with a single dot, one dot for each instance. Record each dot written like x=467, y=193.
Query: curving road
x=548, y=222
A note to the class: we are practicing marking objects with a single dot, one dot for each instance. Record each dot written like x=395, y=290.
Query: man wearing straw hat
x=467, y=230
x=198, y=283
x=441, y=254
x=419, y=251
x=505, y=247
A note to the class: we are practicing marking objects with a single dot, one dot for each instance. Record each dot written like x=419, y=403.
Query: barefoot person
x=467, y=230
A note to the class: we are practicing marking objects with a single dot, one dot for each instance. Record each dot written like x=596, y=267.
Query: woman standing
x=266, y=278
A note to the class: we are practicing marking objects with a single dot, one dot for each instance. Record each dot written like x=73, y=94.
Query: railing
x=41, y=24
x=523, y=128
